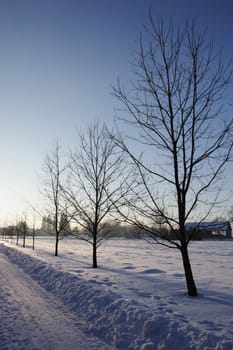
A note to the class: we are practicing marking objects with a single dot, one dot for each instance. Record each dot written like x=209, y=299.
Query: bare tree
x=33, y=230
x=22, y=229
x=54, y=180
x=97, y=172
x=176, y=108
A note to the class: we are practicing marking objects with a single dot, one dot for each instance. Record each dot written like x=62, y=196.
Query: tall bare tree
x=97, y=173
x=54, y=169
x=176, y=109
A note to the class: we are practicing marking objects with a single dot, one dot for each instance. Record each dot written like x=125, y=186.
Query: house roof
x=209, y=226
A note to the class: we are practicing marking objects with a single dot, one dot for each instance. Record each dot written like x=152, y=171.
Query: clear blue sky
x=58, y=61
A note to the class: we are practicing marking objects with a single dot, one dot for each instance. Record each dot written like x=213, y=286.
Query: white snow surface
x=136, y=299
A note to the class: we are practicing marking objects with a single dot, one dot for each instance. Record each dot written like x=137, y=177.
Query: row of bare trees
x=86, y=189
x=166, y=168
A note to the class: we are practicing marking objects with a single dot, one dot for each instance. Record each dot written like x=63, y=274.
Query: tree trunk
x=56, y=245
x=191, y=287
x=94, y=261
x=33, y=239
x=24, y=239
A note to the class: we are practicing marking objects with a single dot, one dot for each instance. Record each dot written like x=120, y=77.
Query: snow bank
x=127, y=324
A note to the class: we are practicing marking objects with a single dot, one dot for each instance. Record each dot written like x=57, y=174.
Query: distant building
x=209, y=229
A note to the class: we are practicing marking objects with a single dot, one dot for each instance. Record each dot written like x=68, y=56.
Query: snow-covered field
x=136, y=299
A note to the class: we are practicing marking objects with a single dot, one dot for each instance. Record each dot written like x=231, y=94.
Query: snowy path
x=32, y=319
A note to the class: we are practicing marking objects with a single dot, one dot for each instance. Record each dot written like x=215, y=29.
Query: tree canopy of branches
x=176, y=105
x=96, y=182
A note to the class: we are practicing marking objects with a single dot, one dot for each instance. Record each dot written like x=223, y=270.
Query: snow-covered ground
x=32, y=318
x=136, y=299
